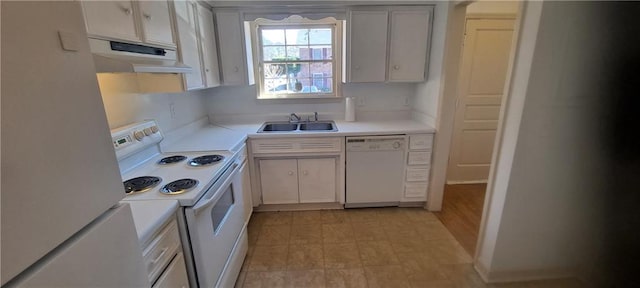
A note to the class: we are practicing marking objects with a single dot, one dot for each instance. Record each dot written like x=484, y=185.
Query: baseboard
x=484, y=181
x=522, y=275
x=298, y=207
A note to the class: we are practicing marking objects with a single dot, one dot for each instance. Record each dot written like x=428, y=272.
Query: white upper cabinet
x=132, y=21
x=156, y=22
x=368, y=46
x=232, y=59
x=111, y=19
x=208, y=47
x=409, y=45
x=388, y=43
x=188, y=46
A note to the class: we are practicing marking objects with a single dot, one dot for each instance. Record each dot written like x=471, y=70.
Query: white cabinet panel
x=208, y=47
x=415, y=174
x=418, y=190
x=175, y=275
x=231, y=51
x=156, y=22
x=279, y=181
x=409, y=38
x=368, y=46
x=419, y=158
x=317, y=180
x=245, y=179
x=188, y=45
x=111, y=19
x=420, y=141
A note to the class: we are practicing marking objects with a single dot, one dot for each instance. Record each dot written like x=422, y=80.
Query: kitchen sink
x=283, y=127
x=318, y=126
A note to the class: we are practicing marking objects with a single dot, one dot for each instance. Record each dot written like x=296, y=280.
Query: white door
x=156, y=22
x=485, y=59
x=208, y=45
x=111, y=19
x=188, y=47
x=367, y=46
x=317, y=180
x=408, y=44
x=279, y=181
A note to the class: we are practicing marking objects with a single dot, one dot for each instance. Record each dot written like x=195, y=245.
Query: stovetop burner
x=140, y=184
x=206, y=160
x=172, y=159
x=179, y=186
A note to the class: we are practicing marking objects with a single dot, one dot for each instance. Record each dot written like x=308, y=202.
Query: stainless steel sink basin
x=284, y=127
x=318, y=126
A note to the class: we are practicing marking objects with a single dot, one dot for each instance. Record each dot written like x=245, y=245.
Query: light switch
x=68, y=40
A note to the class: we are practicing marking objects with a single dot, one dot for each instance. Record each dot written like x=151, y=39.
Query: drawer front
x=161, y=249
x=175, y=276
x=417, y=174
x=417, y=190
x=420, y=141
x=296, y=145
x=419, y=158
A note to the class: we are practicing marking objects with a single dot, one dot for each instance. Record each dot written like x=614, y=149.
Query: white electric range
x=208, y=187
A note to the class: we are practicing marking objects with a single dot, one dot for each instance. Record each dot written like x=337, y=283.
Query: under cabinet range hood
x=115, y=57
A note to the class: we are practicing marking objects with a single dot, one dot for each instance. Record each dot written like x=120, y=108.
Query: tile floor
x=382, y=247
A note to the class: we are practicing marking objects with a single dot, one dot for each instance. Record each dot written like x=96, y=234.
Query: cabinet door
x=110, y=19
x=175, y=275
x=368, y=46
x=231, y=52
x=208, y=45
x=409, y=42
x=156, y=22
x=188, y=43
x=245, y=179
x=279, y=181
x=317, y=180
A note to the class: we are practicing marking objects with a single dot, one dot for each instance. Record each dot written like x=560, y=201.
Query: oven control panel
x=135, y=137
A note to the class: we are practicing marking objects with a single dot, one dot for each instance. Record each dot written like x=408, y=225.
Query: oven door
x=214, y=224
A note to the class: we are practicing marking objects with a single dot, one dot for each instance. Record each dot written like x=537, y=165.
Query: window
x=297, y=60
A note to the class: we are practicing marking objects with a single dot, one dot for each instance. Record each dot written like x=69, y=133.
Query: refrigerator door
x=59, y=170
x=104, y=254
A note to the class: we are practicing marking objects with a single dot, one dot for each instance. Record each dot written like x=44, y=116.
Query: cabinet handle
x=290, y=172
x=236, y=69
x=147, y=16
x=126, y=11
x=396, y=67
x=305, y=172
x=164, y=250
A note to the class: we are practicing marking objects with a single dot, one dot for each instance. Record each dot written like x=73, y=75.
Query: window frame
x=299, y=23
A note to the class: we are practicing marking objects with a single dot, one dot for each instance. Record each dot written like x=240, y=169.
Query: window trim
x=299, y=23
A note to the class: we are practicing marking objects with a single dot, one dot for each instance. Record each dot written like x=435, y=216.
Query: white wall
x=125, y=105
x=379, y=101
x=493, y=7
x=542, y=215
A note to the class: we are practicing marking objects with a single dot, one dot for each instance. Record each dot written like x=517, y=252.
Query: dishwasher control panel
x=374, y=143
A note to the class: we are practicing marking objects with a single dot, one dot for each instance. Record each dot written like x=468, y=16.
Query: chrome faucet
x=294, y=118
x=315, y=116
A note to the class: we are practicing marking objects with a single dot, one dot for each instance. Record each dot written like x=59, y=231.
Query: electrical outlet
x=172, y=110
x=360, y=101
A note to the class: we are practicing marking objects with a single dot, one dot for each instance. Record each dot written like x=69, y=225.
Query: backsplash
x=373, y=100
x=124, y=105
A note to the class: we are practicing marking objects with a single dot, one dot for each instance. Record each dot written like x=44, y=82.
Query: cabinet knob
x=290, y=172
x=396, y=67
x=305, y=172
x=207, y=70
x=356, y=67
x=236, y=69
x=126, y=11
x=147, y=16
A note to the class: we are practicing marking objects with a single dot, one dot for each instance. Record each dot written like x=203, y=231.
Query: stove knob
x=138, y=135
x=154, y=129
x=396, y=145
x=147, y=131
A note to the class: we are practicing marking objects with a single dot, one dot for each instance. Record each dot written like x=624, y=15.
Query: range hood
x=119, y=57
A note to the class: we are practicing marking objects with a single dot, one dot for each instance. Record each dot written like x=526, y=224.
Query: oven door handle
x=215, y=195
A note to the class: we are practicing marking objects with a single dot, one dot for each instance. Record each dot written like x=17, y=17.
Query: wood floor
x=462, y=211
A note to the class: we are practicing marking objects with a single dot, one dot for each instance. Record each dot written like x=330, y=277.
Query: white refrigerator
x=62, y=225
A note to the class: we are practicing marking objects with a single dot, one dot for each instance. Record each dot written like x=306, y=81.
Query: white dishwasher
x=375, y=170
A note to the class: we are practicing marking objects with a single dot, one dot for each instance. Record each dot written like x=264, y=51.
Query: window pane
x=325, y=85
x=274, y=70
x=273, y=53
x=321, y=52
x=272, y=37
x=324, y=69
x=298, y=52
x=320, y=36
x=297, y=36
x=299, y=70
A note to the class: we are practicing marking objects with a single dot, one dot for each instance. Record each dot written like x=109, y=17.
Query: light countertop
x=150, y=216
x=229, y=136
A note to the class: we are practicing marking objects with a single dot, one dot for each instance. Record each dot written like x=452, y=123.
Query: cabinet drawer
x=175, y=275
x=296, y=145
x=420, y=141
x=161, y=249
x=419, y=158
x=417, y=190
x=417, y=174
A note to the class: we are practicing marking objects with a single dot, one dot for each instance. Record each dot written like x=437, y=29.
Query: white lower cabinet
x=175, y=276
x=290, y=181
